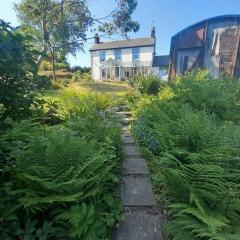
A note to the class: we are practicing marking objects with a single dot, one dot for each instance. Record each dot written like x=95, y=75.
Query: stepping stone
x=135, y=166
x=127, y=134
x=137, y=191
x=131, y=150
x=139, y=225
x=128, y=140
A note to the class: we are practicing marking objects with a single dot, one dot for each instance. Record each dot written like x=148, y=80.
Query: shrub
x=18, y=73
x=76, y=76
x=47, y=66
x=146, y=84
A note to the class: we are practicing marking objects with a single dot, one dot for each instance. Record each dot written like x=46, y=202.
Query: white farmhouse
x=119, y=60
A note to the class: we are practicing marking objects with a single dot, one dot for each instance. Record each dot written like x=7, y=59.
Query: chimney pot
x=96, y=39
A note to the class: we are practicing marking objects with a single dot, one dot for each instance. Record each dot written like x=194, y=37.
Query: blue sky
x=168, y=16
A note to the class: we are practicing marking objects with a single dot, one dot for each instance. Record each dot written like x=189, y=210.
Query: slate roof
x=139, y=42
x=159, y=61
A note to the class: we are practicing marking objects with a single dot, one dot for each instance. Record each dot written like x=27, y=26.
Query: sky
x=168, y=16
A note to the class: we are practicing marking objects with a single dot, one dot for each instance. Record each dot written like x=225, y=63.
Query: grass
x=102, y=87
x=112, y=88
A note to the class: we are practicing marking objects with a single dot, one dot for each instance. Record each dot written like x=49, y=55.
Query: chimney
x=153, y=32
x=96, y=39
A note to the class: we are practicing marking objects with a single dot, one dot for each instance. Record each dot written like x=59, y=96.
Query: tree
x=17, y=71
x=63, y=24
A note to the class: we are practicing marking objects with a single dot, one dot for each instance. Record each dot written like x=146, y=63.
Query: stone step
x=137, y=191
x=135, y=166
x=125, y=114
x=126, y=128
x=139, y=225
x=128, y=140
x=126, y=121
x=131, y=151
x=123, y=108
x=127, y=134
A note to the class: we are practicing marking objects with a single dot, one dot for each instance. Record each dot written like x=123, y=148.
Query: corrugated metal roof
x=159, y=61
x=139, y=42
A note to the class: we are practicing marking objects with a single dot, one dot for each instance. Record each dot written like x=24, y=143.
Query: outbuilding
x=212, y=44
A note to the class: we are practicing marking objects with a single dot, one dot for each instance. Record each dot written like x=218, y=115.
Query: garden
x=61, y=149
x=60, y=154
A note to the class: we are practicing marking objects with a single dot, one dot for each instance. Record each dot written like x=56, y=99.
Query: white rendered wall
x=146, y=58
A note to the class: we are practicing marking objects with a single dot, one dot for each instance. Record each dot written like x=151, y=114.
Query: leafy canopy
x=17, y=72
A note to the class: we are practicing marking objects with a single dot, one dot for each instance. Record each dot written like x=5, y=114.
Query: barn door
x=229, y=41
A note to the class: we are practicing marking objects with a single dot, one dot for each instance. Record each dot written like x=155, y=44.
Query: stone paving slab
x=135, y=166
x=131, y=150
x=137, y=191
x=128, y=140
x=139, y=225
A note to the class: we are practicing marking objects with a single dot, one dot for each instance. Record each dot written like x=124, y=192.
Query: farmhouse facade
x=212, y=44
x=120, y=60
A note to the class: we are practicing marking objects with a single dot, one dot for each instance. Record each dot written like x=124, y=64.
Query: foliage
x=17, y=73
x=84, y=77
x=72, y=103
x=122, y=19
x=47, y=66
x=60, y=26
x=80, y=69
x=146, y=84
x=59, y=181
x=60, y=74
x=191, y=133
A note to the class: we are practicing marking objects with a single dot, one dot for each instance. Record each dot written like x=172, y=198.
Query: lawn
x=102, y=87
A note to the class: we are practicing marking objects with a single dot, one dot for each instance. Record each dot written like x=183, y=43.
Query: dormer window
x=118, y=54
x=102, y=55
x=135, y=54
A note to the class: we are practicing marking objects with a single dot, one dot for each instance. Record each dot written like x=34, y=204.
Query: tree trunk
x=45, y=38
x=53, y=63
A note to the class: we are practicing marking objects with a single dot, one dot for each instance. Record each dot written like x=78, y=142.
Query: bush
x=81, y=69
x=47, y=66
x=146, y=84
x=194, y=148
x=18, y=73
x=82, y=77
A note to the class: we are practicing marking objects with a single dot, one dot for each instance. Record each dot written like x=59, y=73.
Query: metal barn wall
x=192, y=58
x=221, y=44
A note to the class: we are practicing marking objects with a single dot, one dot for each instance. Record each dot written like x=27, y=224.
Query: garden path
x=141, y=219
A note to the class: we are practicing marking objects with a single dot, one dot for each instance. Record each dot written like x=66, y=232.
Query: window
x=102, y=55
x=118, y=55
x=136, y=54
